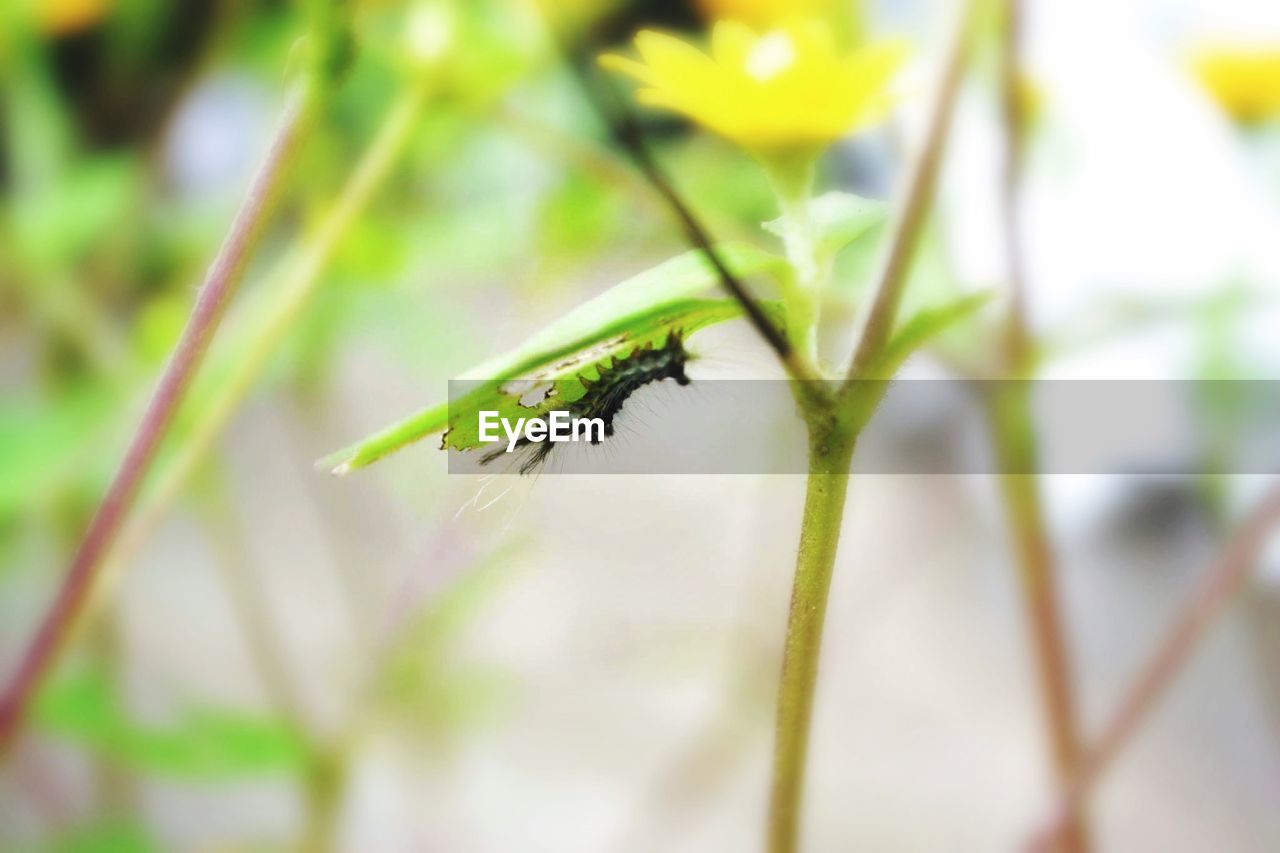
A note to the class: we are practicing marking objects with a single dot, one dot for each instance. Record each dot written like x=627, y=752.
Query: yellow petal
x=731, y=43
x=787, y=88
x=672, y=59
x=636, y=70
x=813, y=40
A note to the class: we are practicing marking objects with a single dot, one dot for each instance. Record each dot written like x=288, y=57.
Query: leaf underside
x=546, y=371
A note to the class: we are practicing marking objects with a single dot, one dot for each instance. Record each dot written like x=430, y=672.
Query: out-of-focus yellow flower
x=763, y=13
x=571, y=14
x=64, y=17
x=1244, y=81
x=784, y=90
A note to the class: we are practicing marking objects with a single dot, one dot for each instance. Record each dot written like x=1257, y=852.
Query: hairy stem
x=215, y=294
x=830, y=452
x=833, y=432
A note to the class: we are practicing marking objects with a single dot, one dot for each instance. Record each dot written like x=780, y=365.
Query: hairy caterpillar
x=606, y=395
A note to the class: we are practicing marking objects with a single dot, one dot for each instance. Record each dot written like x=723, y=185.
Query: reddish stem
x=1206, y=601
x=215, y=293
x=1015, y=437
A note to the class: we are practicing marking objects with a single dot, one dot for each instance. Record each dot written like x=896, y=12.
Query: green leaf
x=838, y=219
x=925, y=325
x=108, y=836
x=67, y=218
x=641, y=310
x=203, y=744
x=48, y=448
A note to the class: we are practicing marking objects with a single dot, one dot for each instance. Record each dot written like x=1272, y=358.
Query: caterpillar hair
x=608, y=393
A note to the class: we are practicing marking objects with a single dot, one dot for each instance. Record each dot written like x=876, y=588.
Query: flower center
x=770, y=56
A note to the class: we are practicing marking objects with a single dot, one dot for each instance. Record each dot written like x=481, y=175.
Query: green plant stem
x=214, y=296
x=792, y=181
x=834, y=423
x=830, y=453
x=324, y=787
x=324, y=784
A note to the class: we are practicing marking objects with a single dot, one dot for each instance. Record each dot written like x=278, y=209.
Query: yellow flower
x=1244, y=81
x=762, y=12
x=64, y=17
x=776, y=92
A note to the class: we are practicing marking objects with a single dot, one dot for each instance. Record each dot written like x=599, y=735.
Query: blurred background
x=403, y=659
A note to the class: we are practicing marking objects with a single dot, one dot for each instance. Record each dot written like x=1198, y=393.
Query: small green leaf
x=66, y=219
x=643, y=309
x=920, y=329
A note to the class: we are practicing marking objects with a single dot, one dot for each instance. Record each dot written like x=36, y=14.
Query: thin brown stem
x=211, y=302
x=626, y=131
x=1014, y=437
x=1017, y=339
x=696, y=233
x=250, y=606
x=915, y=204
x=254, y=349
x=1162, y=667
x=1034, y=557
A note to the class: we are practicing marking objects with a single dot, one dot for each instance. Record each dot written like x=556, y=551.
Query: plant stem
x=629, y=135
x=1170, y=655
x=830, y=452
x=833, y=430
x=253, y=353
x=917, y=199
x=215, y=294
x=323, y=788
x=1017, y=339
x=1014, y=437
x=793, y=185
x=250, y=606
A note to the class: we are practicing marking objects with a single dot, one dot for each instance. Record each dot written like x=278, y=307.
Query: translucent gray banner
x=920, y=427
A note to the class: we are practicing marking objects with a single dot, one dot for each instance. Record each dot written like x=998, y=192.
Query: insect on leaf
x=546, y=371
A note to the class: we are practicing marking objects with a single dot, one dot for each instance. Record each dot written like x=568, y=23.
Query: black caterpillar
x=606, y=395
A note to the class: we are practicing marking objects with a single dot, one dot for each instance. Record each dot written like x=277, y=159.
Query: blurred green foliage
x=508, y=209
x=111, y=836
x=201, y=744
